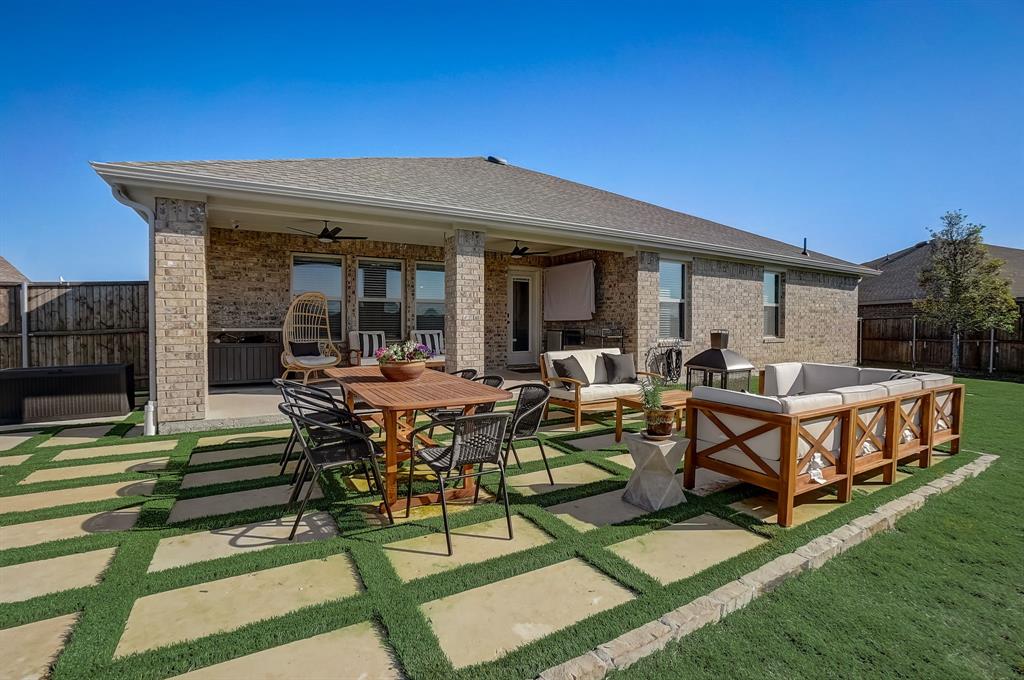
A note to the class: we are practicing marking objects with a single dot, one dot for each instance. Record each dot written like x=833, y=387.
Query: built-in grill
x=719, y=366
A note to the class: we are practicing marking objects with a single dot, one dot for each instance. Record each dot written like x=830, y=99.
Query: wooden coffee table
x=674, y=398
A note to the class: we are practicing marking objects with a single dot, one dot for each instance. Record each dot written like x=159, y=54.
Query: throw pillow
x=620, y=368
x=305, y=349
x=570, y=368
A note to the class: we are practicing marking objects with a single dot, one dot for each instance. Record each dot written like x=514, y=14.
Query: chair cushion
x=316, y=361
x=755, y=401
x=434, y=341
x=782, y=379
x=901, y=386
x=305, y=349
x=930, y=380
x=596, y=393
x=366, y=342
x=620, y=368
x=590, y=360
x=824, y=377
x=855, y=393
x=570, y=367
x=799, y=403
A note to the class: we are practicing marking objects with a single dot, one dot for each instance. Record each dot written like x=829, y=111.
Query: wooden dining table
x=398, y=403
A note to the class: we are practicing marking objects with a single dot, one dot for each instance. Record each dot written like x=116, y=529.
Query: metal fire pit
x=719, y=366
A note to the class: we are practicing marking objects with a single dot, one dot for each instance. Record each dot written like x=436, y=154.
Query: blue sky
x=854, y=124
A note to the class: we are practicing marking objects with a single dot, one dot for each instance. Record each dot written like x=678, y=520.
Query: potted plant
x=403, y=360
x=658, y=418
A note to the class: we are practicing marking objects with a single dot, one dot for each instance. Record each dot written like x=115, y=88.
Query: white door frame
x=530, y=355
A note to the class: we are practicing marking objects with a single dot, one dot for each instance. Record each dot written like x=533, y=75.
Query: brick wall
x=464, y=296
x=179, y=309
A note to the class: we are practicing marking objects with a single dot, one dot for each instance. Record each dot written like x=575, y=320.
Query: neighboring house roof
x=9, y=273
x=898, y=280
x=473, y=187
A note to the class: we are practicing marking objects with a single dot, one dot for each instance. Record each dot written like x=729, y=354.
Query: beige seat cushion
x=932, y=380
x=857, y=393
x=596, y=393
x=809, y=402
x=311, y=362
x=901, y=386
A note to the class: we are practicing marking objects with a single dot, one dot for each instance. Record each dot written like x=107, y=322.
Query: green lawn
x=942, y=596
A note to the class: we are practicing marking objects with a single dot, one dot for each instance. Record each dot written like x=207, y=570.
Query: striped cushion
x=434, y=340
x=370, y=342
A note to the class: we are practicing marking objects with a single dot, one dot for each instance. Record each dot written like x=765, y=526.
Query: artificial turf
x=384, y=599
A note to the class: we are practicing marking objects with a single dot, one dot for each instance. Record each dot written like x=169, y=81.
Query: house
x=892, y=293
x=9, y=273
x=231, y=241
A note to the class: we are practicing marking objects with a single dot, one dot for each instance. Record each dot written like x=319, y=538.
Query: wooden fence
x=910, y=341
x=102, y=322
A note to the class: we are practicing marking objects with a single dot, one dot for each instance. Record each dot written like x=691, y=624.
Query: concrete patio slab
x=486, y=623
x=205, y=457
x=420, y=512
x=937, y=457
x=243, y=438
x=30, y=649
x=873, y=484
x=596, y=511
x=117, y=450
x=196, y=611
x=685, y=548
x=358, y=649
x=9, y=441
x=425, y=555
x=810, y=507
x=7, y=461
x=532, y=453
x=238, y=474
x=82, y=471
x=597, y=443
x=568, y=427
x=77, y=435
x=44, y=531
x=534, y=483
x=237, y=540
x=81, y=494
x=24, y=581
x=222, y=504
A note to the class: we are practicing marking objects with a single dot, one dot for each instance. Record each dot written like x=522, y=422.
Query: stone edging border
x=649, y=638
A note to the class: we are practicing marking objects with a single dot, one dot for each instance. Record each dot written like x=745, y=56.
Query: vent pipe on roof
x=804, y=252
x=497, y=160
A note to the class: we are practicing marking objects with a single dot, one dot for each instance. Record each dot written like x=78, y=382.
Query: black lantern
x=719, y=366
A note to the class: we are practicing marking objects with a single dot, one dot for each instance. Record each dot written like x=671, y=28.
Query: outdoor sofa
x=816, y=425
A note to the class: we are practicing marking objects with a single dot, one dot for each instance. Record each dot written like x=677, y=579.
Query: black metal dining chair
x=495, y=381
x=477, y=441
x=323, y=404
x=526, y=421
x=326, y=446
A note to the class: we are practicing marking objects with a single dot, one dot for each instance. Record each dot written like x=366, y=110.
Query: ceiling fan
x=328, y=235
x=522, y=251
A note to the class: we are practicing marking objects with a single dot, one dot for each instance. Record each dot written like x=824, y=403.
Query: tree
x=964, y=287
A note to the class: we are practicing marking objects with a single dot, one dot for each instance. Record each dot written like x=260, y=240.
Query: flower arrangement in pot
x=658, y=417
x=403, y=360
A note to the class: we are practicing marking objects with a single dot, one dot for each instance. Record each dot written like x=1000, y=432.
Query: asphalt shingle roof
x=898, y=280
x=477, y=184
x=9, y=273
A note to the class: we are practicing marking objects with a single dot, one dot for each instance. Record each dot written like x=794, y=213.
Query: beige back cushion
x=825, y=377
x=784, y=378
x=590, y=360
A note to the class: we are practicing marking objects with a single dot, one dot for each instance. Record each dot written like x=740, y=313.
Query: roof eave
x=121, y=173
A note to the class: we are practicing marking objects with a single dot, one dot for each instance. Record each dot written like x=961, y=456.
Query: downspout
x=146, y=213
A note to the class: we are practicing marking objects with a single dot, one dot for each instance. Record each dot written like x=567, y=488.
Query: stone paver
x=222, y=504
x=358, y=649
x=237, y=540
x=30, y=649
x=564, y=428
x=97, y=470
x=875, y=483
x=81, y=494
x=486, y=623
x=203, y=609
x=9, y=441
x=242, y=438
x=421, y=512
x=77, y=435
x=686, y=548
x=24, y=581
x=44, y=531
x=6, y=461
x=117, y=450
x=597, y=443
x=204, y=457
x=533, y=483
x=425, y=555
x=596, y=511
x=810, y=507
x=237, y=474
x=532, y=454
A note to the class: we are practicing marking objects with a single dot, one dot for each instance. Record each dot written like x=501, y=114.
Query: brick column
x=179, y=288
x=464, y=300
x=643, y=289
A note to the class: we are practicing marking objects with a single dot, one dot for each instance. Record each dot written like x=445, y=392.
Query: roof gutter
x=113, y=173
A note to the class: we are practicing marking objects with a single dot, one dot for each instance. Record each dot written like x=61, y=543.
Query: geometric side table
x=653, y=484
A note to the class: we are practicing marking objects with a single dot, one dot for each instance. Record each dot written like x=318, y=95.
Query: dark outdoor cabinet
x=32, y=395
x=236, y=363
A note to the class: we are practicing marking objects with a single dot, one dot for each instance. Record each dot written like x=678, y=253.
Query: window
x=772, y=296
x=672, y=300
x=429, y=296
x=379, y=293
x=322, y=275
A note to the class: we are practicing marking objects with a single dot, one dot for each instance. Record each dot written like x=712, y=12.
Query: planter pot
x=401, y=371
x=659, y=423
